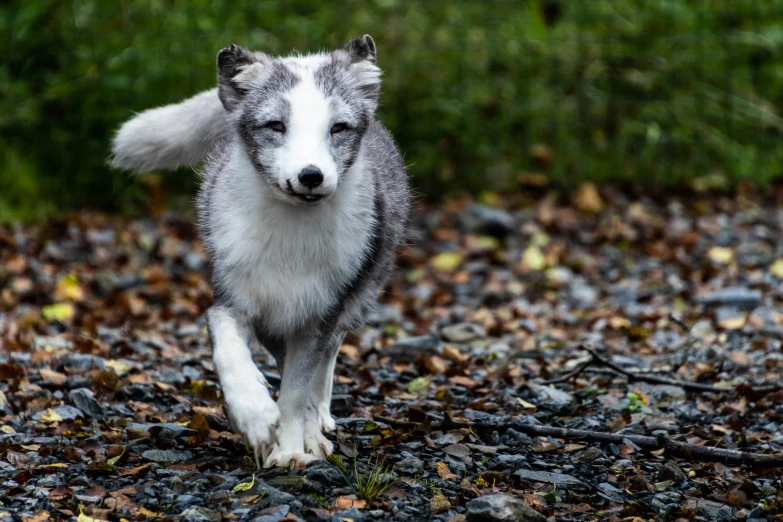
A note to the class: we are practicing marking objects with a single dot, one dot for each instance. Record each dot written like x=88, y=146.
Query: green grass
x=367, y=484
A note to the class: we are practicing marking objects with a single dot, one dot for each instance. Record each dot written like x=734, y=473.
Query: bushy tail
x=171, y=136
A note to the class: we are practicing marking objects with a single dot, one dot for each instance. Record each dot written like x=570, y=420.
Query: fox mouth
x=306, y=198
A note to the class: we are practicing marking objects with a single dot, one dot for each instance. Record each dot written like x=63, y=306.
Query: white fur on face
x=308, y=138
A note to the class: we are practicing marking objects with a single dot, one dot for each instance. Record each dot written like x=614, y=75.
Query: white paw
x=253, y=414
x=327, y=421
x=315, y=443
x=282, y=459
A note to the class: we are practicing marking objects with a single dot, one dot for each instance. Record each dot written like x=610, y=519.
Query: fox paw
x=315, y=443
x=254, y=415
x=325, y=417
x=281, y=459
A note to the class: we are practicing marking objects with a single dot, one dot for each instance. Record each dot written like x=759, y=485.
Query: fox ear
x=363, y=48
x=237, y=68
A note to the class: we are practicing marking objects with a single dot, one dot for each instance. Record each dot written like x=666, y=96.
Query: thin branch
x=671, y=447
x=598, y=360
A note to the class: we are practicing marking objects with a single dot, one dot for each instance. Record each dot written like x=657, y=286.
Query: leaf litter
x=610, y=312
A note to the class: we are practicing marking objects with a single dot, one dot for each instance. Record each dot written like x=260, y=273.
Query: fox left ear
x=362, y=48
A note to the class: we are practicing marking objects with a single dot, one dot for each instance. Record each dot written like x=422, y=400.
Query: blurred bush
x=648, y=91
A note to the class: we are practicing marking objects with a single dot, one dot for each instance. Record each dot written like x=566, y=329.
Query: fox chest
x=287, y=277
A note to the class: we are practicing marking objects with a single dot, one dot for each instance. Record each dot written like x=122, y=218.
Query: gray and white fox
x=302, y=206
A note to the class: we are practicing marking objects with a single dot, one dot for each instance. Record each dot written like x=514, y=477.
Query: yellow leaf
x=723, y=255
x=447, y=261
x=244, y=486
x=50, y=416
x=68, y=288
x=85, y=518
x=526, y=405
x=587, y=199
x=439, y=504
x=5, y=428
x=777, y=268
x=487, y=243
x=58, y=312
x=539, y=239
x=533, y=259
x=419, y=385
x=733, y=323
x=119, y=367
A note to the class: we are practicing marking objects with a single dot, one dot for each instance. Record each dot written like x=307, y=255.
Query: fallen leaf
x=447, y=261
x=50, y=416
x=68, y=288
x=439, y=504
x=58, y=312
x=349, y=501
x=723, y=255
x=587, y=199
x=533, y=259
x=444, y=472
x=418, y=385
x=244, y=486
x=777, y=268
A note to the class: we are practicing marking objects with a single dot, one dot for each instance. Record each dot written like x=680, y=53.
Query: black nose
x=311, y=177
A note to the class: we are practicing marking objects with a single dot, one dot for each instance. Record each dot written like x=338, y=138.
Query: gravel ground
x=110, y=407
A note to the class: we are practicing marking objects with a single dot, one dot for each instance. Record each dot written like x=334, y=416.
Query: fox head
x=301, y=119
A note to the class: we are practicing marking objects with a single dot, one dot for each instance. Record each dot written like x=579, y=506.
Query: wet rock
x=462, y=333
x=65, y=411
x=560, y=479
x=84, y=399
x=501, y=507
x=671, y=471
x=735, y=296
x=477, y=218
x=323, y=472
x=590, y=454
x=410, y=465
x=407, y=349
x=166, y=456
x=550, y=394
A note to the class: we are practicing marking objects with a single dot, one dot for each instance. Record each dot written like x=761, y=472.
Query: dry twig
x=671, y=447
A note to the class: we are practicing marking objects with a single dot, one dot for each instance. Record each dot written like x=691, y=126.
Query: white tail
x=171, y=136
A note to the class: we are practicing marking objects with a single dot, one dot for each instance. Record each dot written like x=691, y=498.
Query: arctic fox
x=303, y=203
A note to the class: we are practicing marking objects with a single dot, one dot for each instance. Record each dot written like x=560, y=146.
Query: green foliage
x=367, y=484
x=653, y=91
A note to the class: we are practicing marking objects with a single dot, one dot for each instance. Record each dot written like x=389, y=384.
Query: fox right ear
x=237, y=68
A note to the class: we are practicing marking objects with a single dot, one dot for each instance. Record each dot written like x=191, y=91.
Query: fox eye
x=339, y=127
x=276, y=126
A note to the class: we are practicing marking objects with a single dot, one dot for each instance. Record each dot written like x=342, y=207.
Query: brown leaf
x=444, y=472
x=349, y=501
x=133, y=471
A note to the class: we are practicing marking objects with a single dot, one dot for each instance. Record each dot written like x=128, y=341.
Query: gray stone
x=590, y=454
x=501, y=507
x=486, y=220
x=411, y=465
x=735, y=296
x=84, y=399
x=166, y=456
x=671, y=471
x=560, y=479
x=550, y=394
x=408, y=348
x=65, y=411
x=462, y=333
